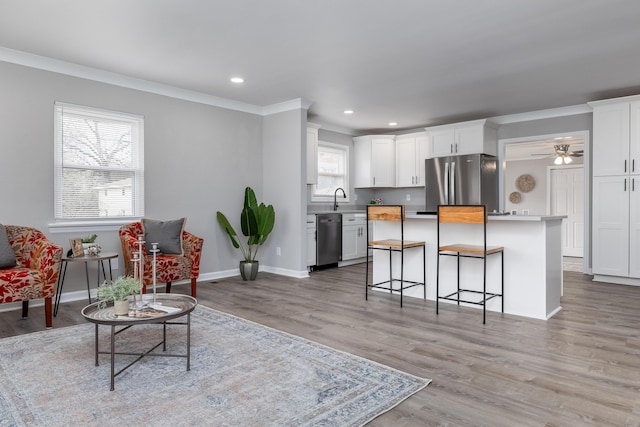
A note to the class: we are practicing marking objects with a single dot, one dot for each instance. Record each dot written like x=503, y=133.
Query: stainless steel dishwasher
x=329, y=239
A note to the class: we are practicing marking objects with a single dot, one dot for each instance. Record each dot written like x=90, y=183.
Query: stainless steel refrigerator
x=461, y=180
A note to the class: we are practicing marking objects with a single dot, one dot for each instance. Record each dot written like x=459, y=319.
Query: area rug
x=242, y=374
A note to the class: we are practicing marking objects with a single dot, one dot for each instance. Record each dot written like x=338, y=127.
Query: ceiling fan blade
x=578, y=153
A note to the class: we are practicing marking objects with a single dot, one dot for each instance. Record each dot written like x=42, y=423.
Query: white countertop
x=414, y=215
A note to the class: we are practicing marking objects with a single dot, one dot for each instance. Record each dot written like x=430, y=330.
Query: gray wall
x=198, y=159
x=534, y=201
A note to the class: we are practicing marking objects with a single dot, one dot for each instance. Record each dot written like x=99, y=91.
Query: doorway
x=566, y=197
x=522, y=149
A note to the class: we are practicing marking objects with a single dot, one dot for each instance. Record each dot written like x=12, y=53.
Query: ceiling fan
x=563, y=155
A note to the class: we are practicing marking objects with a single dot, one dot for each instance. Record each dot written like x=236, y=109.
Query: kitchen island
x=532, y=260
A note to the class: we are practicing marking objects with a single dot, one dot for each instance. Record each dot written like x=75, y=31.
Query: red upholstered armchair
x=36, y=270
x=169, y=268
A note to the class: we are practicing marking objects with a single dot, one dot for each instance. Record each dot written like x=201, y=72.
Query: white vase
x=121, y=308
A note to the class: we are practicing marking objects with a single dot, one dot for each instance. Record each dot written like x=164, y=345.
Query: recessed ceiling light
x=393, y=123
x=348, y=111
x=237, y=80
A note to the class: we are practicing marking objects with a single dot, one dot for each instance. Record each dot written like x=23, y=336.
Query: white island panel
x=532, y=261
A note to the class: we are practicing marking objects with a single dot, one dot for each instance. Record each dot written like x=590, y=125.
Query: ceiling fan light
x=558, y=160
x=567, y=160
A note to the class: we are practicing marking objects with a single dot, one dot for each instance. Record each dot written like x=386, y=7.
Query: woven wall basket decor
x=515, y=197
x=525, y=183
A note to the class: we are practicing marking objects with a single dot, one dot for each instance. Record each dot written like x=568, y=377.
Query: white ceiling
x=417, y=62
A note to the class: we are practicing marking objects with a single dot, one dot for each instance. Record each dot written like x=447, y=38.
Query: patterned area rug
x=242, y=374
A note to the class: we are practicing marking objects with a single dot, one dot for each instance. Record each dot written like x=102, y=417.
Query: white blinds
x=99, y=166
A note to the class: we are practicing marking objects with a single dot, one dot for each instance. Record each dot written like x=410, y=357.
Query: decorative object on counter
x=76, y=247
x=525, y=183
x=515, y=197
x=87, y=242
x=94, y=249
x=256, y=221
x=119, y=292
x=377, y=201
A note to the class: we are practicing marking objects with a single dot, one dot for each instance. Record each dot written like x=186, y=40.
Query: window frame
x=323, y=198
x=137, y=157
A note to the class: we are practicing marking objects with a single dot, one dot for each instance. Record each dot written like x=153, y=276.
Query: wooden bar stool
x=468, y=214
x=393, y=213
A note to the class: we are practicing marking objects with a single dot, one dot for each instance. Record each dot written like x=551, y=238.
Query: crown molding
x=89, y=73
x=281, y=107
x=542, y=114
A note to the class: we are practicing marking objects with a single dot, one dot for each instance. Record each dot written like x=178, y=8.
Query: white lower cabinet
x=311, y=240
x=616, y=226
x=354, y=236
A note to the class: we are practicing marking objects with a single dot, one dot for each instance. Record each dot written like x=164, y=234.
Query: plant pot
x=121, y=308
x=249, y=269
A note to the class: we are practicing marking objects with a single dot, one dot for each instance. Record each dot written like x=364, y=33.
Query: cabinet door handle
x=625, y=185
x=633, y=184
x=625, y=165
x=374, y=180
x=451, y=148
x=633, y=165
x=456, y=147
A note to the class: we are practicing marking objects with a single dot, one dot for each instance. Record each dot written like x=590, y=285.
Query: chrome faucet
x=335, y=201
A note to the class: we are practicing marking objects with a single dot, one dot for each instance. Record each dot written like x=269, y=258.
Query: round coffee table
x=167, y=308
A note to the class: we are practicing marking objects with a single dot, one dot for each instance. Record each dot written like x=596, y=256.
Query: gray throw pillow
x=167, y=234
x=7, y=257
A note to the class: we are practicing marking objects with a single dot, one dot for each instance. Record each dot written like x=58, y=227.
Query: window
x=333, y=171
x=99, y=167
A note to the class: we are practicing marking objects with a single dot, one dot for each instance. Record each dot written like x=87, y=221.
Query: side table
x=100, y=258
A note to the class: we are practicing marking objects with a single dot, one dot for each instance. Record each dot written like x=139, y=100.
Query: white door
x=567, y=198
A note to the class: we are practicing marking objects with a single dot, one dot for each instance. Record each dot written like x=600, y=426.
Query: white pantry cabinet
x=411, y=152
x=478, y=136
x=616, y=190
x=312, y=153
x=374, y=159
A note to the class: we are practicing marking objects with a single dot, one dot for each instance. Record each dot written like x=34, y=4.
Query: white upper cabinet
x=478, y=136
x=312, y=153
x=411, y=152
x=375, y=164
x=616, y=138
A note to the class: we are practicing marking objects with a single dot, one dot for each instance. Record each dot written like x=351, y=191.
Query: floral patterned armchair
x=36, y=272
x=169, y=268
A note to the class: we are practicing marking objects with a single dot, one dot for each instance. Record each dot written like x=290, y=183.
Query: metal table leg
x=86, y=270
x=61, y=273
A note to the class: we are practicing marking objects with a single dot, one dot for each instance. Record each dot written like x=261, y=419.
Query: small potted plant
x=88, y=242
x=119, y=292
x=256, y=221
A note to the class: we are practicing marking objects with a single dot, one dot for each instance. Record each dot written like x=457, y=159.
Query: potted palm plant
x=256, y=222
x=119, y=292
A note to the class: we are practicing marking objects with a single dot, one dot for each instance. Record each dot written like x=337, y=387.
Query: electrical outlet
x=355, y=197
x=114, y=264
x=408, y=197
x=278, y=251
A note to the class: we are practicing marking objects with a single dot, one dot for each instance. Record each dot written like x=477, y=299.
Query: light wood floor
x=582, y=367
